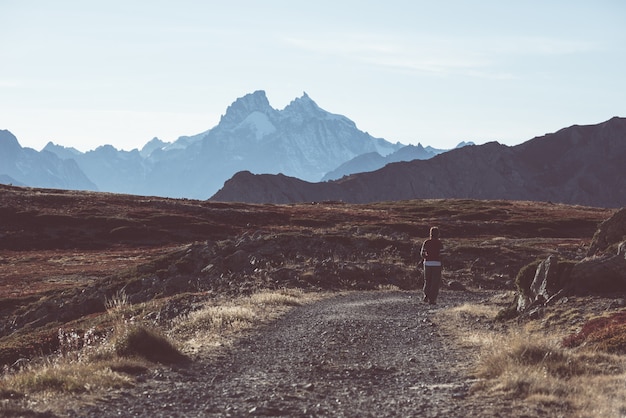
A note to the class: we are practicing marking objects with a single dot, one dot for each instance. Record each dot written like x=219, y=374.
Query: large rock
x=546, y=281
x=600, y=274
x=609, y=234
x=549, y=283
x=603, y=271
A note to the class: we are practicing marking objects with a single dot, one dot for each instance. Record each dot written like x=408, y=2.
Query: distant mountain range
x=304, y=153
x=373, y=161
x=27, y=167
x=583, y=165
x=302, y=141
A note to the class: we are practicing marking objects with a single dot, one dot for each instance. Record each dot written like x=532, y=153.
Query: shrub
x=525, y=277
x=607, y=333
x=140, y=341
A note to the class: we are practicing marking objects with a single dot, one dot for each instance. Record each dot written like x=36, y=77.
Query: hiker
x=431, y=254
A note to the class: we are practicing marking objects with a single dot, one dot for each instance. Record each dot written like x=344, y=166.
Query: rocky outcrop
x=548, y=284
x=603, y=271
x=609, y=235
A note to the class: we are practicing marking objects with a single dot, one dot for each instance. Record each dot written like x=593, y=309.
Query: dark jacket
x=431, y=250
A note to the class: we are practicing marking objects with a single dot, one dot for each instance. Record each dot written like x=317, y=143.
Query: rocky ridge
x=577, y=165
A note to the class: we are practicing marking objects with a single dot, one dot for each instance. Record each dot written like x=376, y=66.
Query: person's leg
x=427, y=283
x=435, y=284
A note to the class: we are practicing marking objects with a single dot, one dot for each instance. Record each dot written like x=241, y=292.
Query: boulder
x=549, y=283
x=609, y=234
x=602, y=271
x=600, y=274
x=593, y=275
x=604, y=268
x=546, y=281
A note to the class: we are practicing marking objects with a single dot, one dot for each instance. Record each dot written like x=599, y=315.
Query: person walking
x=431, y=254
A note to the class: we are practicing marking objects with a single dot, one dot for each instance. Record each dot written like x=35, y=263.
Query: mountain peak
x=304, y=108
x=9, y=144
x=304, y=105
x=243, y=106
x=154, y=144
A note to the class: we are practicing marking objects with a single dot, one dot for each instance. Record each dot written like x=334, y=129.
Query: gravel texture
x=356, y=354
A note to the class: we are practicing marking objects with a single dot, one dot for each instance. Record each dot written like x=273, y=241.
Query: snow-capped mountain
x=302, y=140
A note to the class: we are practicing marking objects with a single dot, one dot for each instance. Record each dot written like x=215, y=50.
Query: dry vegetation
x=535, y=361
x=136, y=346
x=89, y=281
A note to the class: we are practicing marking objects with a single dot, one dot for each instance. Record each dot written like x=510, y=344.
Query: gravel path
x=353, y=355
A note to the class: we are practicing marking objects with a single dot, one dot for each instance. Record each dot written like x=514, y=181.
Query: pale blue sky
x=84, y=73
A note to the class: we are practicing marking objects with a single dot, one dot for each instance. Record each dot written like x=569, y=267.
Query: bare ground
x=378, y=353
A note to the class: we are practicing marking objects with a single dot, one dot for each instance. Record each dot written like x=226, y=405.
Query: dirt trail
x=353, y=355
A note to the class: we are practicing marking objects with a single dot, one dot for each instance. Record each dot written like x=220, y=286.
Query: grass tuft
x=522, y=353
x=284, y=298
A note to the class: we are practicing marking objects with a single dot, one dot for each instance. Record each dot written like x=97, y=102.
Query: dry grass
x=134, y=347
x=526, y=364
x=536, y=368
x=74, y=377
x=472, y=310
x=286, y=297
x=86, y=364
x=118, y=302
x=218, y=323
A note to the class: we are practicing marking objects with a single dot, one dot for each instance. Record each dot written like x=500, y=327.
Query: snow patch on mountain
x=259, y=123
